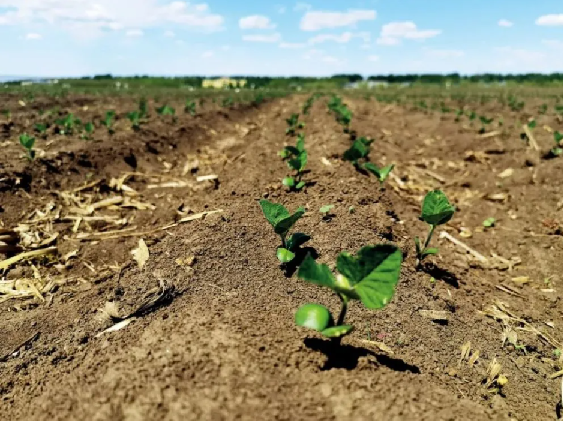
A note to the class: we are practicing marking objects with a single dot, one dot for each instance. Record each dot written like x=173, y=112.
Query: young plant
x=190, y=108
x=166, y=110
x=41, y=128
x=135, y=119
x=358, y=151
x=143, y=108
x=436, y=210
x=282, y=222
x=381, y=173
x=67, y=125
x=484, y=123
x=297, y=162
x=370, y=277
x=108, y=121
x=89, y=129
x=27, y=142
x=557, y=150
x=293, y=124
x=293, y=151
x=325, y=211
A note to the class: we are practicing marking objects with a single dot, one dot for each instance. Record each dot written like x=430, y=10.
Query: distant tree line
x=343, y=79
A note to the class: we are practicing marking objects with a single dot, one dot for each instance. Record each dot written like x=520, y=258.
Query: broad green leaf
x=313, y=316
x=338, y=331
x=284, y=255
x=274, y=212
x=299, y=162
x=27, y=141
x=557, y=151
x=532, y=124
x=297, y=240
x=292, y=150
x=326, y=208
x=382, y=263
x=300, y=143
x=558, y=137
x=285, y=224
x=288, y=182
x=315, y=273
x=89, y=128
x=380, y=173
x=358, y=150
x=349, y=267
x=436, y=209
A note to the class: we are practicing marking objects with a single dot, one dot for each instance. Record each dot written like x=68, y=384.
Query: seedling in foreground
x=282, y=222
x=108, y=121
x=370, y=277
x=436, y=210
x=27, y=142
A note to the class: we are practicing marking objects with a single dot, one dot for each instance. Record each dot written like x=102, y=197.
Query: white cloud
x=280, y=9
x=550, y=20
x=86, y=19
x=256, y=22
x=341, y=39
x=208, y=54
x=32, y=36
x=315, y=21
x=373, y=58
x=292, y=46
x=437, y=53
x=302, y=7
x=392, y=33
x=169, y=34
x=134, y=33
x=505, y=23
x=262, y=38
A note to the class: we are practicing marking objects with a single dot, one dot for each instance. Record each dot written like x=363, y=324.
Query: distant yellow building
x=223, y=82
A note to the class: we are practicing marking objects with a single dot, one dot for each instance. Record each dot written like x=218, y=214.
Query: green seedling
x=135, y=119
x=89, y=129
x=41, y=128
x=359, y=150
x=27, y=142
x=282, y=222
x=67, y=125
x=532, y=124
x=557, y=150
x=381, y=173
x=370, y=277
x=351, y=210
x=334, y=103
x=472, y=115
x=258, y=99
x=293, y=151
x=166, y=110
x=436, y=210
x=7, y=113
x=484, y=123
x=458, y=115
x=293, y=124
x=489, y=222
x=298, y=164
x=559, y=109
x=190, y=108
x=344, y=116
x=308, y=104
x=542, y=109
x=108, y=121
x=325, y=211
x=143, y=108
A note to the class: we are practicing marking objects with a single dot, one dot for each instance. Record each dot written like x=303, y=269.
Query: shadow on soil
x=347, y=356
x=441, y=274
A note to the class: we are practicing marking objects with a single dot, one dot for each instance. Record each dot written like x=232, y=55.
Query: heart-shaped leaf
x=274, y=212
x=338, y=331
x=436, y=209
x=381, y=267
x=284, y=255
x=313, y=316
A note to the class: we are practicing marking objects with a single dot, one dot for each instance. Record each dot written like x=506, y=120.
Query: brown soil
x=221, y=344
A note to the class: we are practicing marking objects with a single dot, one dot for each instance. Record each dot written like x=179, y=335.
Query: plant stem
x=427, y=243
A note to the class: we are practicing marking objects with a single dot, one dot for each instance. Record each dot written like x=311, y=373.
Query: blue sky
x=221, y=37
